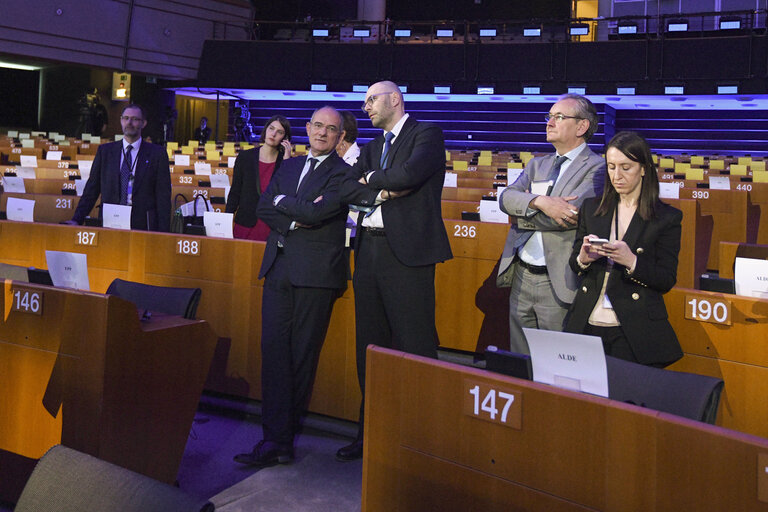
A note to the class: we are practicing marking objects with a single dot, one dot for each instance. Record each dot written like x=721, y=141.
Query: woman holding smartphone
x=626, y=249
x=253, y=172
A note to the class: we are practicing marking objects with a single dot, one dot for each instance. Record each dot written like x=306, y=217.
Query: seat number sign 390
x=493, y=403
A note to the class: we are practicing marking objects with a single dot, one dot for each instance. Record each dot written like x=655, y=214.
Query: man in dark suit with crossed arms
x=398, y=182
x=139, y=177
x=305, y=269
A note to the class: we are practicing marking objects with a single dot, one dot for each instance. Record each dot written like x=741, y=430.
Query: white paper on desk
x=226, y=193
x=68, y=269
x=28, y=160
x=490, y=212
x=182, y=160
x=61, y=138
x=27, y=143
x=541, y=188
x=669, y=190
x=116, y=216
x=14, y=184
x=53, y=155
x=231, y=161
x=751, y=276
x=23, y=136
x=219, y=181
x=202, y=168
x=451, y=180
x=218, y=224
x=26, y=172
x=719, y=183
x=512, y=175
x=80, y=186
x=567, y=360
x=53, y=135
x=13, y=134
x=22, y=210
x=84, y=165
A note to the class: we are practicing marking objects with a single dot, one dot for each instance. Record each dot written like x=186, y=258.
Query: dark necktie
x=125, y=175
x=385, y=150
x=555, y=172
x=303, y=177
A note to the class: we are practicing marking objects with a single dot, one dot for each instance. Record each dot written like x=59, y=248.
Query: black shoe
x=266, y=453
x=350, y=452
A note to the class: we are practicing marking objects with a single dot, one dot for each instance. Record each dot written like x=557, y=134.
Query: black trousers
x=394, y=304
x=293, y=327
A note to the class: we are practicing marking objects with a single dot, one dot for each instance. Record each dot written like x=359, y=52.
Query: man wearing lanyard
x=133, y=173
x=396, y=183
x=544, y=203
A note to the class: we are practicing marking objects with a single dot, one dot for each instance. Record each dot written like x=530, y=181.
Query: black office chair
x=692, y=396
x=65, y=480
x=160, y=299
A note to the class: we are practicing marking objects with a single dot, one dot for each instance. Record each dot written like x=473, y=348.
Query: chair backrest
x=65, y=480
x=685, y=394
x=160, y=299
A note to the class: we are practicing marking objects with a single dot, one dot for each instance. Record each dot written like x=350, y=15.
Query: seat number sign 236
x=493, y=403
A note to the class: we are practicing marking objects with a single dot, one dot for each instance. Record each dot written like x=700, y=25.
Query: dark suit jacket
x=151, y=209
x=413, y=223
x=316, y=254
x=637, y=299
x=244, y=195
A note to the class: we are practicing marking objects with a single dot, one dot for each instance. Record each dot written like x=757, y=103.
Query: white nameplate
x=14, y=185
x=182, y=160
x=669, y=190
x=451, y=180
x=231, y=161
x=116, y=216
x=68, y=269
x=490, y=212
x=84, y=165
x=25, y=172
x=202, y=168
x=219, y=181
x=27, y=143
x=28, y=160
x=218, y=224
x=53, y=155
x=719, y=183
x=80, y=186
x=21, y=210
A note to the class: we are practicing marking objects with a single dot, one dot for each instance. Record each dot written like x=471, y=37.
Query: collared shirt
x=375, y=220
x=304, y=172
x=533, y=250
x=134, y=154
x=352, y=153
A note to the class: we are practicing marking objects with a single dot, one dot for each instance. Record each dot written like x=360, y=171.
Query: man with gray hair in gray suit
x=544, y=203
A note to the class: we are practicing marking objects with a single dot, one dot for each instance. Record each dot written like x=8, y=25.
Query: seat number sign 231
x=493, y=403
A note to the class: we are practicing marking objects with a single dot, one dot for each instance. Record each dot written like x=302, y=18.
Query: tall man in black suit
x=131, y=172
x=398, y=179
x=305, y=269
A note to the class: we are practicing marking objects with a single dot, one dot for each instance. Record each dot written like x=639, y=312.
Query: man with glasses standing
x=396, y=183
x=130, y=172
x=544, y=203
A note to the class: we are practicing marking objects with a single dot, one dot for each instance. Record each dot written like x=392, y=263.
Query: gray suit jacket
x=584, y=178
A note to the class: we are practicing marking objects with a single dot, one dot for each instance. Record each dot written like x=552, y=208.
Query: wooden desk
x=735, y=353
x=425, y=449
x=86, y=373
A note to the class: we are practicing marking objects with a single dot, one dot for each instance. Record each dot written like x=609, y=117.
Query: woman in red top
x=253, y=171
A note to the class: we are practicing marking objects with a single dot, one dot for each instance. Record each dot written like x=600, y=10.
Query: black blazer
x=316, y=254
x=637, y=299
x=244, y=195
x=413, y=223
x=151, y=209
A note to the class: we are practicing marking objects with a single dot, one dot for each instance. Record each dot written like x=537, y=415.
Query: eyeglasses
x=133, y=119
x=559, y=117
x=317, y=125
x=371, y=99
